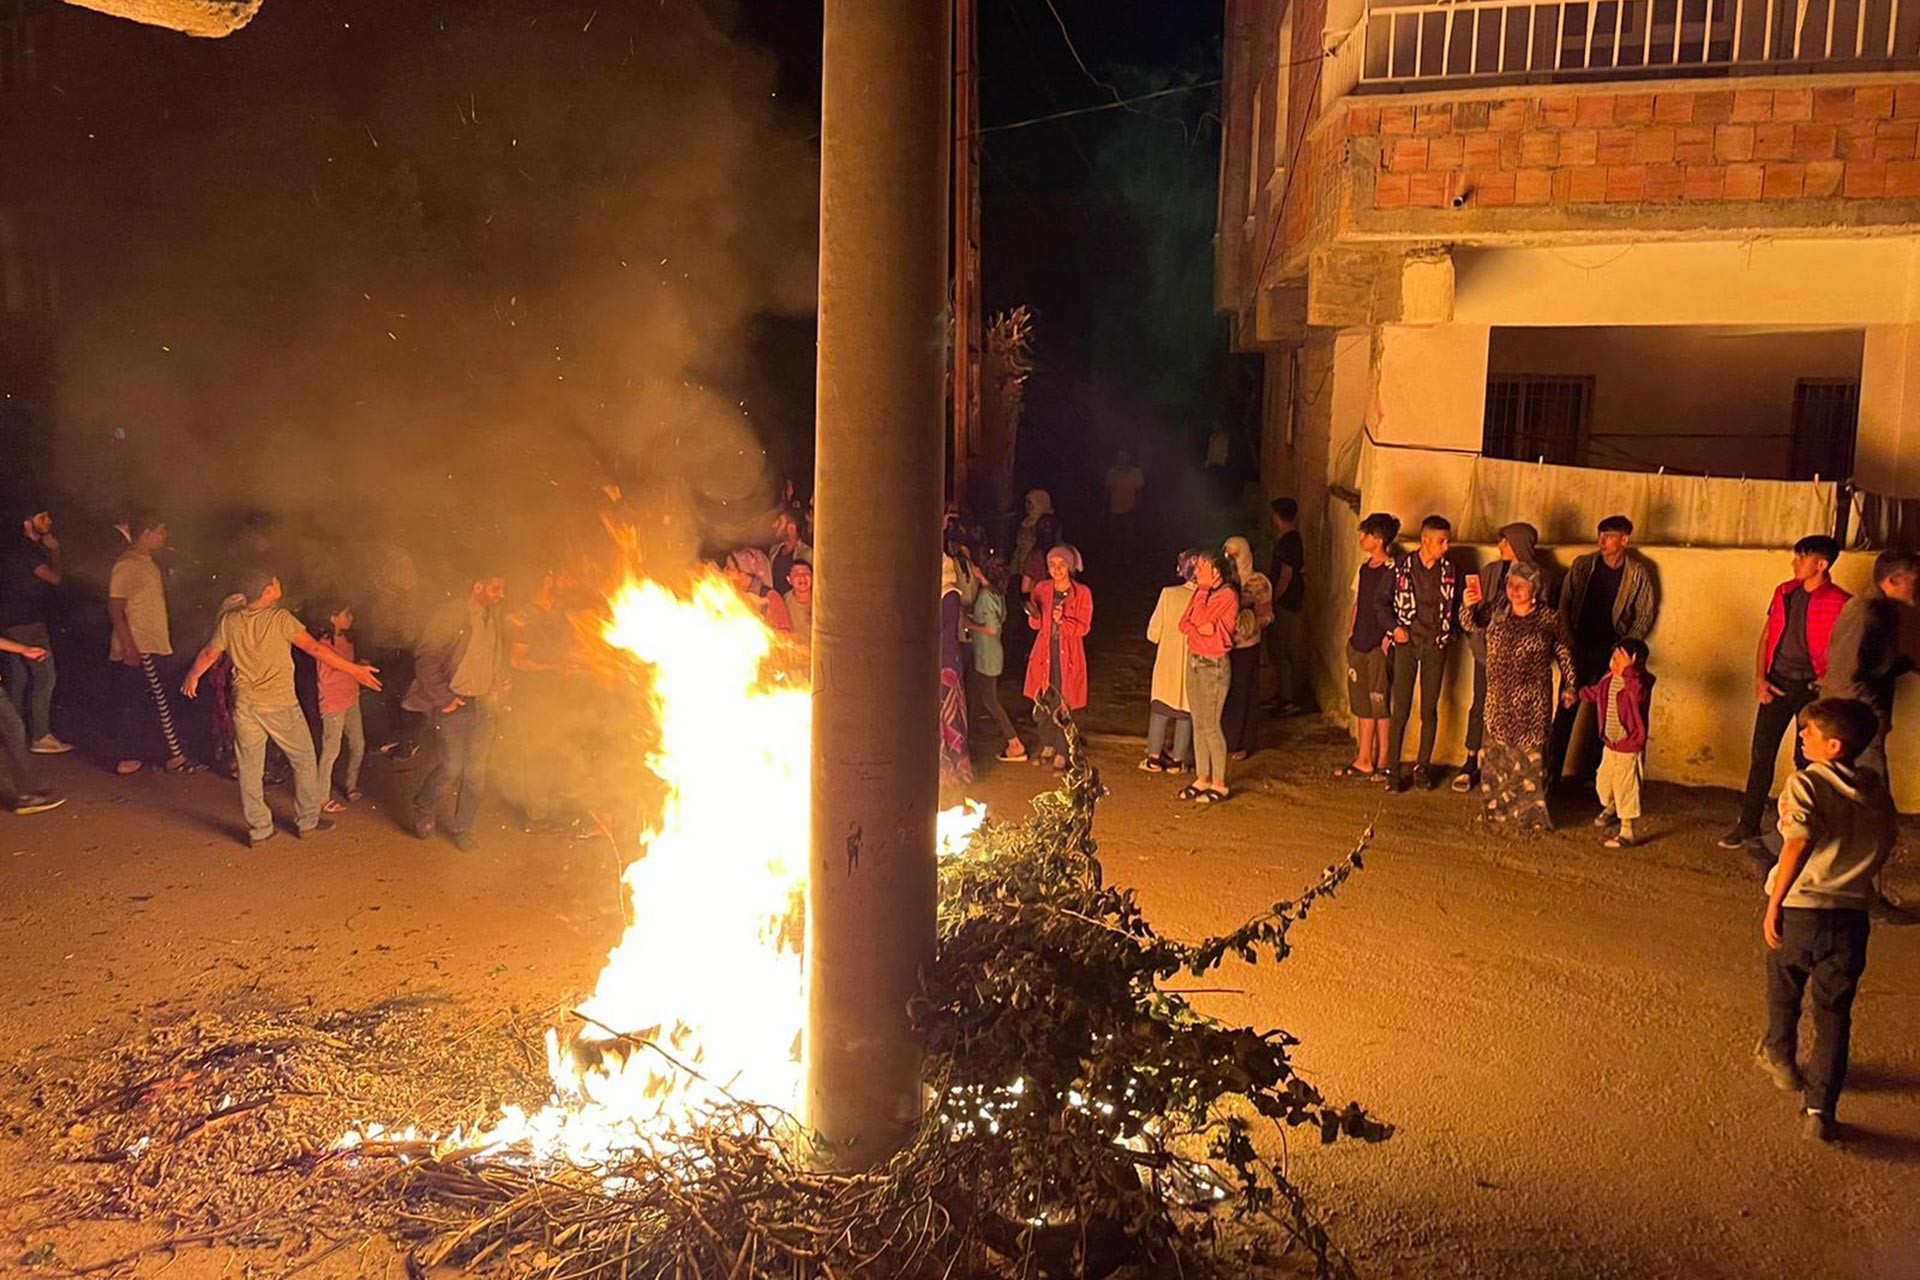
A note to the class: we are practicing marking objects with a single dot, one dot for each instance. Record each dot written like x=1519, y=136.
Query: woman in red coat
x=1061, y=610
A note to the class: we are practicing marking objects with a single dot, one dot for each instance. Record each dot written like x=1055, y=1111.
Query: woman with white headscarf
x=1241, y=719
x=1026, y=541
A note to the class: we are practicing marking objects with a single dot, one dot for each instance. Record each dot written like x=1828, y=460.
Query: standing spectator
x=29, y=572
x=1864, y=658
x=799, y=600
x=787, y=550
x=956, y=766
x=1789, y=665
x=1060, y=609
x=1525, y=649
x=1609, y=597
x=1241, y=717
x=459, y=674
x=986, y=625
x=1126, y=487
x=259, y=638
x=1027, y=542
x=1208, y=626
x=1624, y=696
x=1287, y=637
x=340, y=719
x=1168, y=711
x=1425, y=584
x=1033, y=570
x=1836, y=828
x=1369, y=649
x=1486, y=591
x=30, y=793
x=137, y=605
x=751, y=573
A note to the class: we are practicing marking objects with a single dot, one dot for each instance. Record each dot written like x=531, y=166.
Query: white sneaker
x=50, y=746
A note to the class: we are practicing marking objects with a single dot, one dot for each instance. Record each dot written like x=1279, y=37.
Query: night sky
x=304, y=229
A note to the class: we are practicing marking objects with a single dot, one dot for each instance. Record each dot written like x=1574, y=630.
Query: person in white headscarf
x=1241, y=718
x=1039, y=503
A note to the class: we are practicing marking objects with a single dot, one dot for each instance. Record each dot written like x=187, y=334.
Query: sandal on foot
x=127, y=768
x=180, y=766
x=1152, y=765
x=1353, y=771
x=1188, y=793
x=333, y=806
x=1008, y=757
x=1210, y=796
x=1619, y=842
x=1462, y=782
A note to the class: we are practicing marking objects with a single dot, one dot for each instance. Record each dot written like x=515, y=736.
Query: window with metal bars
x=1826, y=412
x=1533, y=416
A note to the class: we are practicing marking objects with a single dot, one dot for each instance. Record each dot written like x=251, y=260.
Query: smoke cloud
x=431, y=274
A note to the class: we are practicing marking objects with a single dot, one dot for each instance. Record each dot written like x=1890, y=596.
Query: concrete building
x=1531, y=260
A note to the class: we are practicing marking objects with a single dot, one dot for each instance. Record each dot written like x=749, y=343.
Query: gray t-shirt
x=474, y=677
x=260, y=644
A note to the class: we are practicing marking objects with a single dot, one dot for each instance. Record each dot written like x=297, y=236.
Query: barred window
x=1534, y=416
x=1825, y=413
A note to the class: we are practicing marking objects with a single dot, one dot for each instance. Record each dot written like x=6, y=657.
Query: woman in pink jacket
x=1208, y=626
x=1061, y=610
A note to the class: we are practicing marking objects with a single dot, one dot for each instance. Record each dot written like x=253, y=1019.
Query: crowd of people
x=1544, y=650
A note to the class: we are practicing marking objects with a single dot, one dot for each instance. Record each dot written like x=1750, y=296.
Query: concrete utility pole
x=884, y=133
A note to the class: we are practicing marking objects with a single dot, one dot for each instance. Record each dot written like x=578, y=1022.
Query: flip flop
x=1352, y=771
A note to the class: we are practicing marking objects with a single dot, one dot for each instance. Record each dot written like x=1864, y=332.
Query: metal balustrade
x=1518, y=40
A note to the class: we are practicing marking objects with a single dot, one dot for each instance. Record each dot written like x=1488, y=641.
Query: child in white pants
x=1621, y=699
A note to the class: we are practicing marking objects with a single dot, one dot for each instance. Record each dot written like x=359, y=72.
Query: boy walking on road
x=1836, y=828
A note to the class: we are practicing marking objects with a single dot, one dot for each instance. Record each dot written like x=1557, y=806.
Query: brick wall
x=1672, y=148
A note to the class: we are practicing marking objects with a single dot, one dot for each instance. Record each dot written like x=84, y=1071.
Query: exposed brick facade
x=1664, y=147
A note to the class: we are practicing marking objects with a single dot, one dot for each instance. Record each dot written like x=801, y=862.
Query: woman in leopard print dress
x=1525, y=647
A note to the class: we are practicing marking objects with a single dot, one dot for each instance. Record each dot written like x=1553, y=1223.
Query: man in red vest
x=1791, y=663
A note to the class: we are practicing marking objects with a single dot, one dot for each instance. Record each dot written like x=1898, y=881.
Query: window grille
x=1534, y=416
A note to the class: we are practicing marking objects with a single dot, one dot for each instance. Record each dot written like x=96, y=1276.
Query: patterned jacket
x=1405, y=603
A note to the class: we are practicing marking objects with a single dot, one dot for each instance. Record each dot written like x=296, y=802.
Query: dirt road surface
x=1562, y=1034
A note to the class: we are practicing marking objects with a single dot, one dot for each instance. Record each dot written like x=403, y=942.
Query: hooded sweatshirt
x=1524, y=539
x=1846, y=816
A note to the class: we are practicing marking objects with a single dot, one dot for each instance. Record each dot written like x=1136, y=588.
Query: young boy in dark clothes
x=1369, y=673
x=1836, y=827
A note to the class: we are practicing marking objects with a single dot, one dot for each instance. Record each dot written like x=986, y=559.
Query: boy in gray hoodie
x=1836, y=828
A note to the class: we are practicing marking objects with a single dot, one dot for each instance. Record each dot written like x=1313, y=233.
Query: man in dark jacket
x=1864, y=658
x=1609, y=596
x=460, y=671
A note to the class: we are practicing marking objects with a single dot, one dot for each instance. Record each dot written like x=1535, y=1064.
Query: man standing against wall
x=1609, y=597
x=1286, y=638
x=1864, y=658
x=1788, y=668
x=1424, y=603
x=29, y=573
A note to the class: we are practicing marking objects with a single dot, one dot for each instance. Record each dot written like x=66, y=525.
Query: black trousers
x=1240, y=720
x=1824, y=952
x=1477, y=713
x=1770, y=721
x=1427, y=662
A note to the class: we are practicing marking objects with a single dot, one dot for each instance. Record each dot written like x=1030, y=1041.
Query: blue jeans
x=20, y=672
x=287, y=726
x=335, y=726
x=1160, y=726
x=1207, y=680
x=461, y=742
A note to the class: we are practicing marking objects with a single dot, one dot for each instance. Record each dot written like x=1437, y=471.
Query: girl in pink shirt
x=340, y=713
x=1208, y=627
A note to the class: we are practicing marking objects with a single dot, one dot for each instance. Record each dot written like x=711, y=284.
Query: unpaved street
x=1560, y=1033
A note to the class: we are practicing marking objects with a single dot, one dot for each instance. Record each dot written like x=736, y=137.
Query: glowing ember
x=703, y=1000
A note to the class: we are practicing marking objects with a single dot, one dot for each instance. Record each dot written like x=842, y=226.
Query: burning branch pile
x=1085, y=1117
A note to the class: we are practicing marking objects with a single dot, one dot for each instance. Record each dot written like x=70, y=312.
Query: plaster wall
x=1713, y=602
x=1711, y=400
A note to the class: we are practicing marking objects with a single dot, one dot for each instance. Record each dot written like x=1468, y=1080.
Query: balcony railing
x=1534, y=40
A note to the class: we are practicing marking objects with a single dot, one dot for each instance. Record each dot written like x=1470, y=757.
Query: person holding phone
x=1788, y=668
